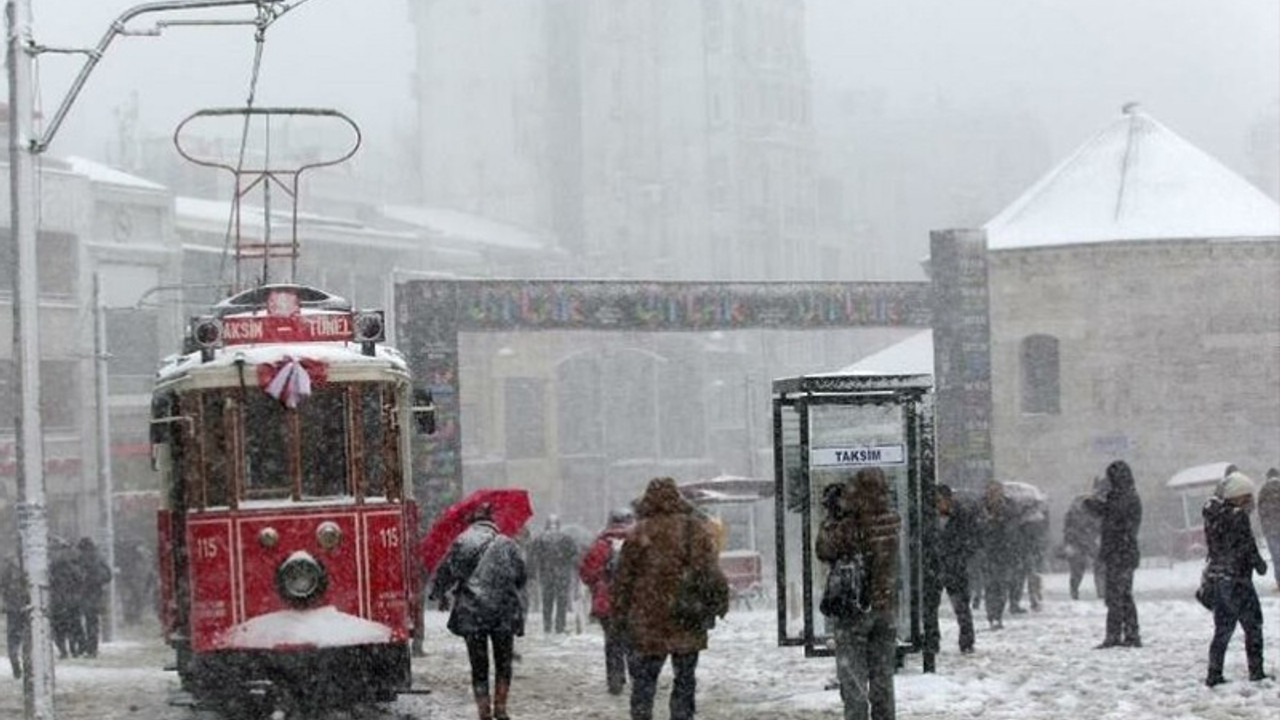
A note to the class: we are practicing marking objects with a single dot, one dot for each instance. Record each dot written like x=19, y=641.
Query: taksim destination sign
x=859, y=456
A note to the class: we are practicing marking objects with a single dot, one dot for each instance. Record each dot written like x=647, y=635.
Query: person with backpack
x=861, y=528
x=669, y=552
x=484, y=572
x=1233, y=559
x=597, y=571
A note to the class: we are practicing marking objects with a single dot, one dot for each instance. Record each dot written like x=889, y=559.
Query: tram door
x=826, y=428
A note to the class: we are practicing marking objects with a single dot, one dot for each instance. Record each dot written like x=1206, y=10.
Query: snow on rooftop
x=465, y=226
x=1135, y=180
x=913, y=356
x=99, y=173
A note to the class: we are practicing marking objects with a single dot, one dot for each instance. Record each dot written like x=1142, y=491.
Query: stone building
x=1135, y=314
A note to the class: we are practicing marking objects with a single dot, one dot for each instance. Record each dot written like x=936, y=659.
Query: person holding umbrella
x=484, y=572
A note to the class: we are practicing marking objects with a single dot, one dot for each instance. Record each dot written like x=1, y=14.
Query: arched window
x=1040, y=388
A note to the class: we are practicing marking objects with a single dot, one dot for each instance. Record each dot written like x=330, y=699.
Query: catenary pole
x=24, y=144
x=106, y=488
x=33, y=525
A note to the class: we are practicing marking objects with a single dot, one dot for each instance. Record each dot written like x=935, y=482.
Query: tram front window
x=323, y=424
x=266, y=448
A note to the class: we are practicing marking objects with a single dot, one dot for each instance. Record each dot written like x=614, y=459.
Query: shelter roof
x=1135, y=180
x=913, y=356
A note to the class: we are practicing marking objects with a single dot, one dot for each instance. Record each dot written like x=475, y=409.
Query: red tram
x=282, y=436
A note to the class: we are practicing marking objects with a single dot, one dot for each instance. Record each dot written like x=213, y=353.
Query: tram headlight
x=268, y=537
x=301, y=578
x=328, y=534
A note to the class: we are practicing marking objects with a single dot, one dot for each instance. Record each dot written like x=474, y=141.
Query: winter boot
x=1255, y=669
x=482, y=704
x=500, y=692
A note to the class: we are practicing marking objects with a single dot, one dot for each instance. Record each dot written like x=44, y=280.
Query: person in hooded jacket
x=999, y=522
x=1119, y=510
x=1080, y=545
x=864, y=523
x=597, y=571
x=959, y=539
x=668, y=539
x=1269, y=516
x=484, y=572
x=1233, y=558
x=95, y=576
x=66, y=583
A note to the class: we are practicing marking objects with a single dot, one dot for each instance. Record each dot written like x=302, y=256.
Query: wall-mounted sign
x=858, y=456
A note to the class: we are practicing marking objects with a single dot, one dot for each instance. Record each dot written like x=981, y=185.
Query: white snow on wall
x=99, y=173
x=320, y=627
x=1135, y=180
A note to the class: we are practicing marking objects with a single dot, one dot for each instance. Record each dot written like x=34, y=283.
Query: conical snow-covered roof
x=1135, y=180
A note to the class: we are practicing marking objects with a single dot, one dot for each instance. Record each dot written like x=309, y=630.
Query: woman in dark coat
x=1269, y=515
x=667, y=539
x=1233, y=558
x=484, y=571
x=1120, y=512
x=865, y=523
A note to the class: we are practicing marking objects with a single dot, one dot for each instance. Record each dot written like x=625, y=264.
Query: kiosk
x=826, y=427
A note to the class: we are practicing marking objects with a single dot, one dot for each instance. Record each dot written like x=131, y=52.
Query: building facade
x=630, y=131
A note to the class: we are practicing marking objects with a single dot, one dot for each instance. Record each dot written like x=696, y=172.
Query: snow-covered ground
x=1041, y=665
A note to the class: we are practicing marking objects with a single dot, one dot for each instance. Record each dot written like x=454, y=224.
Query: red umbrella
x=511, y=510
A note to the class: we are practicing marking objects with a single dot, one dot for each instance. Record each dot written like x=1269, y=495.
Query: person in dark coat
x=66, y=582
x=1080, y=545
x=1233, y=558
x=1028, y=532
x=94, y=575
x=1269, y=517
x=667, y=540
x=1119, y=510
x=14, y=596
x=484, y=573
x=554, y=557
x=597, y=571
x=865, y=523
x=959, y=539
x=999, y=522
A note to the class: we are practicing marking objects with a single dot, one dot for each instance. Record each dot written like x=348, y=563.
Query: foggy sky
x=1207, y=68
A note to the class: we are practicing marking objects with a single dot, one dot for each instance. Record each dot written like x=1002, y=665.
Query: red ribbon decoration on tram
x=290, y=379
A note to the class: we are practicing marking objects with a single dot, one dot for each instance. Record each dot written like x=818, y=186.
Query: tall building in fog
x=651, y=138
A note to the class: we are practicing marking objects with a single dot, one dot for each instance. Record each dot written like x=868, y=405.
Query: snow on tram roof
x=332, y=353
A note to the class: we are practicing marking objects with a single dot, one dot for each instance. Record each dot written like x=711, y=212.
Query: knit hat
x=1236, y=485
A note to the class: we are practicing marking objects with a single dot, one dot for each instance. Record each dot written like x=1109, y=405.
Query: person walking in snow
x=14, y=597
x=1269, y=517
x=1080, y=545
x=554, y=556
x=95, y=576
x=597, y=571
x=959, y=538
x=668, y=541
x=865, y=524
x=1119, y=510
x=1233, y=558
x=484, y=573
x=999, y=550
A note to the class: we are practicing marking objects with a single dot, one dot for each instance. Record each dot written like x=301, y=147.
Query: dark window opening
x=523, y=419
x=1040, y=386
x=323, y=424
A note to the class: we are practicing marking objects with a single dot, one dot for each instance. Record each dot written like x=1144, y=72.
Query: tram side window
x=266, y=432
x=323, y=419
x=216, y=449
x=374, y=437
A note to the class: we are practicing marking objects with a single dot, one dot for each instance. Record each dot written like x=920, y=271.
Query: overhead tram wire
x=263, y=21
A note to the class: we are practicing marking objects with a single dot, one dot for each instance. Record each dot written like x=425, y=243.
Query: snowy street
x=1041, y=665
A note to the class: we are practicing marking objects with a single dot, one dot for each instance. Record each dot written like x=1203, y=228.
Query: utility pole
x=24, y=144
x=106, y=489
x=33, y=524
